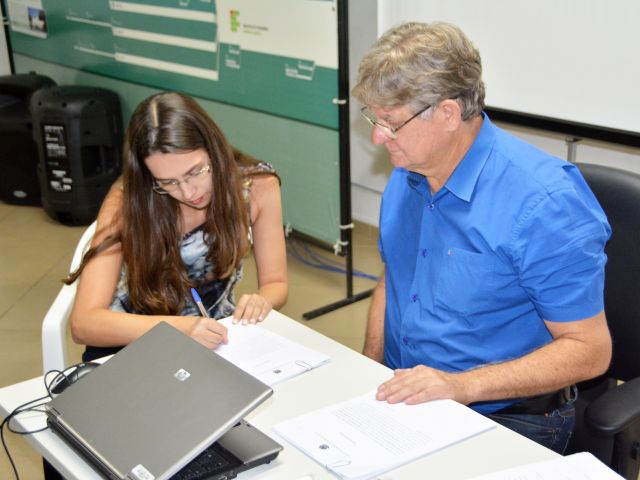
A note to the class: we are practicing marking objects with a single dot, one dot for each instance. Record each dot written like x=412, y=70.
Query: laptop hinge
x=52, y=413
x=59, y=426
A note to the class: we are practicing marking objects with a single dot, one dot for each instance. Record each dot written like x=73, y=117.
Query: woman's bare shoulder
x=264, y=187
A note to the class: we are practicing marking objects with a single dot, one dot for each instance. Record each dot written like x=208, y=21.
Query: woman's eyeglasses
x=171, y=185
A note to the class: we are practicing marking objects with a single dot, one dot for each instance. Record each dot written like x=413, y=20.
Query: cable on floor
x=303, y=253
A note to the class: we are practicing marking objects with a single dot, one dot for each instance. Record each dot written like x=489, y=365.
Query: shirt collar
x=419, y=183
x=464, y=178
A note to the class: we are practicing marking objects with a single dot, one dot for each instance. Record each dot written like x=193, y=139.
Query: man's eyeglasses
x=389, y=131
x=171, y=185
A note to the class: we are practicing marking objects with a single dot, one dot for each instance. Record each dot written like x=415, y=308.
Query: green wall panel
x=253, y=54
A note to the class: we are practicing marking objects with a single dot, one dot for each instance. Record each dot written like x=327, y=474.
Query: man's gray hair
x=420, y=64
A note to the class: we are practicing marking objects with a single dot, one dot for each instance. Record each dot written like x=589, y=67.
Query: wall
x=370, y=168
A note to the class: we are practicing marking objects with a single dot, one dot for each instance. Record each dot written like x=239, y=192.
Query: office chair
x=54, y=325
x=608, y=414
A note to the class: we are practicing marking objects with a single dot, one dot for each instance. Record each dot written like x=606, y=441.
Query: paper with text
x=579, y=466
x=267, y=356
x=364, y=437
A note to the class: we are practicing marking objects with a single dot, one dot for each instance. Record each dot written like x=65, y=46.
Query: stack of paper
x=364, y=437
x=579, y=466
x=267, y=356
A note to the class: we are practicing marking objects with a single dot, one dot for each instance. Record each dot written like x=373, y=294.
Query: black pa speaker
x=78, y=131
x=18, y=151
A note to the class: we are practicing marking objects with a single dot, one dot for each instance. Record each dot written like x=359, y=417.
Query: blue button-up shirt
x=513, y=238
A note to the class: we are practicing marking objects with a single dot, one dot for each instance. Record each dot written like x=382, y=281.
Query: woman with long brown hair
x=183, y=215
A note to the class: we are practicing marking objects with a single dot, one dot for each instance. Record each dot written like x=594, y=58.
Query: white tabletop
x=347, y=375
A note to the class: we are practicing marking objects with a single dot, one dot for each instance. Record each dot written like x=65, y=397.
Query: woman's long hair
x=150, y=225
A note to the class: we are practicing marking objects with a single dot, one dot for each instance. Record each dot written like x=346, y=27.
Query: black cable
x=16, y=411
x=29, y=407
x=6, y=448
x=59, y=374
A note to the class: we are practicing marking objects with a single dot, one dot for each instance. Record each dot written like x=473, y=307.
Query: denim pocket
x=552, y=430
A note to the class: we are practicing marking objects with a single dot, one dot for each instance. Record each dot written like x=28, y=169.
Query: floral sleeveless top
x=217, y=295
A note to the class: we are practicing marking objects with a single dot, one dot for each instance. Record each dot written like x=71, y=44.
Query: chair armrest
x=615, y=410
x=54, y=330
x=54, y=325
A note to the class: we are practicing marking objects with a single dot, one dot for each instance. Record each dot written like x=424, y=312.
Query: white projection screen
x=566, y=60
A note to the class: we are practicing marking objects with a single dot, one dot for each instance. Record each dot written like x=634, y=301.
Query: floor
x=35, y=253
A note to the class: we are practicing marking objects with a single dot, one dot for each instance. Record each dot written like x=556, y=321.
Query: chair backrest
x=618, y=192
x=54, y=325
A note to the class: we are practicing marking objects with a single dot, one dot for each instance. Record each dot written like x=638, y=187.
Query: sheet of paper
x=579, y=466
x=364, y=437
x=267, y=356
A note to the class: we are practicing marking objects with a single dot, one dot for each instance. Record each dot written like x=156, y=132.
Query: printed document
x=364, y=437
x=267, y=356
x=579, y=466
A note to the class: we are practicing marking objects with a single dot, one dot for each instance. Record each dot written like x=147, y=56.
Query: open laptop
x=157, y=404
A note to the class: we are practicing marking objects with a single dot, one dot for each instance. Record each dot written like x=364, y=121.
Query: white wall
x=5, y=66
x=369, y=166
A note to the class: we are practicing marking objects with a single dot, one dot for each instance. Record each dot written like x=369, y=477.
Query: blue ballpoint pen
x=198, y=300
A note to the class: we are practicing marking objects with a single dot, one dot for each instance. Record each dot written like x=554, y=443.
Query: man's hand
x=421, y=384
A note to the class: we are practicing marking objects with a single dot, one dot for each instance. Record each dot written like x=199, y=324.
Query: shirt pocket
x=466, y=282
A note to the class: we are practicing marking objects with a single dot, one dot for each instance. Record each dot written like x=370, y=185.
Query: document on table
x=364, y=437
x=579, y=466
x=269, y=357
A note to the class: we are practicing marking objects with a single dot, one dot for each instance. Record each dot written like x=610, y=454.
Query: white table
x=347, y=375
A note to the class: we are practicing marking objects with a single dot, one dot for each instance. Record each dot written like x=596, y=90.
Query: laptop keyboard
x=213, y=463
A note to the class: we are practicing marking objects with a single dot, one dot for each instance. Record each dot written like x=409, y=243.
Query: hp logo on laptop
x=182, y=374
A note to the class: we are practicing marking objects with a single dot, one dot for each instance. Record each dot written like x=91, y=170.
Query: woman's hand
x=208, y=332
x=251, y=308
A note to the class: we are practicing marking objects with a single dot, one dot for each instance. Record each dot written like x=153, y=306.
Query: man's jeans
x=553, y=429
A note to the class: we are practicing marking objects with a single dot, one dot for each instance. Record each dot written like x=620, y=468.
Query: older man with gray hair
x=492, y=293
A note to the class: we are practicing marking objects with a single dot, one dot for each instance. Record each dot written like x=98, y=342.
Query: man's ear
x=452, y=114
